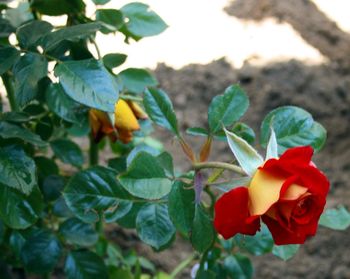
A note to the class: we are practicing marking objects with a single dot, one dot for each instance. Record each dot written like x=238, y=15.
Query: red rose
x=289, y=194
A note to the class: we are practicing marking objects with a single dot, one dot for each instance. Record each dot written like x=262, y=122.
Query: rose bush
x=288, y=194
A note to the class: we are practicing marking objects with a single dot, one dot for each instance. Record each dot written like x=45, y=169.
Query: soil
x=322, y=90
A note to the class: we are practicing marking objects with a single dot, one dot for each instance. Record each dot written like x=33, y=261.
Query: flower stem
x=182, y=266
x=218, y=165
x=93, y=152
x=97, y=48
x=10, y=91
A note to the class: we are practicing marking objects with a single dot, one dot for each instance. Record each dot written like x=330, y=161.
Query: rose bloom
x=288, y=194
x=125, y=117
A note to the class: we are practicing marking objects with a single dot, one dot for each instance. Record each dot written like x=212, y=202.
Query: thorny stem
x=10, y=91
x=218, y=165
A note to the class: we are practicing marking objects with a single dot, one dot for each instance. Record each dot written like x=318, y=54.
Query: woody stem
x=218, y=165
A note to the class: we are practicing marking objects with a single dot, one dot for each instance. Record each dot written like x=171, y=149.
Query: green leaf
x=181, y=207
x=285, y=252
x=9, y=131
x=248, y=158
x=146, y=178
x=244, y=131
x=160, y=109
x=19, y=15
x=45, y=167
x=118, y=212
x=93, y=191
x=166, y=160
x=45, y=127
x=8, y=57
x=6, y=29
x=72, y=33
x=88, y=83
x=17, y=170
x=41, y=252
x=154, y=226
x=259, y=244
x=79, y=233
x=120, y=272
x=100, y=2
x=58, y=7
x=15, y=117
x=114, y=60
x=202, y=235
x=17, y=210
x=111, y=20
x=197, y=131
x=225, y=109
x=141, y=148
x=61, y=209
x=238, y=267
x=85, y=265
x=136, y=80
x=2, y=231
x=28, y=70
x=293, y=127
x=129, y=220
x=16, y=242
x=118, y=164
x=68, y=152
x=142, y=21
x=52, y=187
x=335, y=218
x=62, y=105
x=30, y=33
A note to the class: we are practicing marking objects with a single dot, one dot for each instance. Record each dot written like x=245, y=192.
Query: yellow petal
x=124, y=117
x=294, y=192
x=138, y=111
x=264, y=191
x=99, y=119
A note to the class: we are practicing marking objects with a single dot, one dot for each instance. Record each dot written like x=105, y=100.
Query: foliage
x=55, y=204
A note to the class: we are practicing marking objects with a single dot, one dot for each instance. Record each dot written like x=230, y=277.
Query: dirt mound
x=311, y=23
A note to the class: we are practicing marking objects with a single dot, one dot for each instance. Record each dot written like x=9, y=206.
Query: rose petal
x=124, y=117
x=264, y=191
x=232, y=215
x=282, y=236
x=292, y=191
x=314, y=180
x=298, y=155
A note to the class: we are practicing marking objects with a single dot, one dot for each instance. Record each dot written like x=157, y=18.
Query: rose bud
x=289, y=194
x=125, y=116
